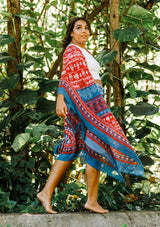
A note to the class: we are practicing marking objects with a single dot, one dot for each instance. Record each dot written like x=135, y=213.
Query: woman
x=91, y=131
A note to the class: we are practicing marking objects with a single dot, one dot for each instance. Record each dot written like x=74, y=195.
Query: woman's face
x=80, y=33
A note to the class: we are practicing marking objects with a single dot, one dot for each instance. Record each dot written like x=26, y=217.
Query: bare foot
x=46, y=203
x=95, y=208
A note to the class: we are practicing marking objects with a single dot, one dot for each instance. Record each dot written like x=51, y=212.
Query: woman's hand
x=98, y=81
x=61, y=107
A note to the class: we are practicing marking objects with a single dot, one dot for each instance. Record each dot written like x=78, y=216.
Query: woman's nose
x=83, y=29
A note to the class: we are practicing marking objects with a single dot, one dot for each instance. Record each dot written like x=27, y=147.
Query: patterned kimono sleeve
x=75, y=70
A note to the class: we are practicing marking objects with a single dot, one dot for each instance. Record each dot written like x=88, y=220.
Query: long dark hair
x=67, y=39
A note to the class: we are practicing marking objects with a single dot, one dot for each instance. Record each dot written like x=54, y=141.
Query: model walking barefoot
x=91, y=131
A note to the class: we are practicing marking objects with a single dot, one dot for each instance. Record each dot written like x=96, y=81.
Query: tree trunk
x=115, y=45
x=108, y=92
x=118, y=92
x=14, y=49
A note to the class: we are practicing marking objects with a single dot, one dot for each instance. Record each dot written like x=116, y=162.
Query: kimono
x=90, y=129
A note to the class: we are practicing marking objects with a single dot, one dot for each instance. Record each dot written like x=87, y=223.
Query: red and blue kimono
x=90, y=129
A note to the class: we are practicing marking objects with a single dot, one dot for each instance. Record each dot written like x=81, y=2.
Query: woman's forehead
x=80, y=22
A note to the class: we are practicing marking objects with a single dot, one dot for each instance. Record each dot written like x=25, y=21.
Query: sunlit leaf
x=132, y=90
x=6, y=14
x=137, y=15
x=20, y=140
x=2, y=21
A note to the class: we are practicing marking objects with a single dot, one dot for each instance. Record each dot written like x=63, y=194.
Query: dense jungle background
x=125, y=40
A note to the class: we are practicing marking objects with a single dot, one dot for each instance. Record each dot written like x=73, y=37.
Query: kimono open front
x=91, y=130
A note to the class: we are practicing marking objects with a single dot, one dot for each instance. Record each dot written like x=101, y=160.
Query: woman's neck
x=80, y=45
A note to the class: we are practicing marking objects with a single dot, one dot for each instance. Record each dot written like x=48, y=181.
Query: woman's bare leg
x=57, y=171
x=93, y=175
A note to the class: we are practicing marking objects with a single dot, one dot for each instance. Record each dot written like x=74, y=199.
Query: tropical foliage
x=29, y=77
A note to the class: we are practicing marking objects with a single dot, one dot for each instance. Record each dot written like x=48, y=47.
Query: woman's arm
x=61, y=107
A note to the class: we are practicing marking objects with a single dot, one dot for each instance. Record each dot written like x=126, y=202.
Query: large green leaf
x=132, y=90
x=51, y=33
x=5, y=59
x=100, y=55
x=106, y=57
x=52, y=41
x=105, y=79
x=1, y=93
x=152, y=67
x=27, y=97
x=154, y=92
x=46, y=138
x=29, y=19
x=38, y=59
x=36, y=147
x=7, y=14
x=20, y=140
x=140, y=75
x=7, y=103
x=46, y=106
x=39, y=130
x=152, y=140
x=123, y=35
x=5, y=39
x=54, y=3
x=116, y=110
x=141, y=133
x=29, y=4
x=152, y=125
x=10, y=82
x=22, y=66
x=140, y=93
x=39, y=73
x=147, y=160
x=48, y=85
x=2, y=21
x=143, y=108
x=39, y=48
x=137, y=15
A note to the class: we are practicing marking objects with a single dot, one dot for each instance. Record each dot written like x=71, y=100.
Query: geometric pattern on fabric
x=90, y=129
